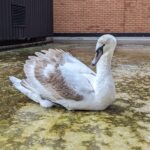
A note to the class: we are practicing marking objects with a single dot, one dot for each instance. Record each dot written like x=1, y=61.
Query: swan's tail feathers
x=26, y=84
x=24, y=87
x=14, y=80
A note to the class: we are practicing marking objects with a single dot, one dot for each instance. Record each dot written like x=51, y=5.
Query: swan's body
x=56, y=77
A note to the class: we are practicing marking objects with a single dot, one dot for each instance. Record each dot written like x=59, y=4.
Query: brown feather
x=55, y=82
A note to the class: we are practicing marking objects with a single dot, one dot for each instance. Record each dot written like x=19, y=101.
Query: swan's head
x=105, y=44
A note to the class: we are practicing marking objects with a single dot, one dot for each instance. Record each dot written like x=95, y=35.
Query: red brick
x=95, y=16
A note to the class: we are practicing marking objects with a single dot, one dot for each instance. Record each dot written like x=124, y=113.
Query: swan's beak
x=99, y=53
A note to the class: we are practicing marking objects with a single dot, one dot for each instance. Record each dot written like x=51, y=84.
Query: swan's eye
x=100, y=49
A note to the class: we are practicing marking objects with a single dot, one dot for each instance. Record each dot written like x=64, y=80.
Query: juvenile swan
x=56, y=77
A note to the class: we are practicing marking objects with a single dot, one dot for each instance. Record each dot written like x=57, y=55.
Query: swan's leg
x=30, y=94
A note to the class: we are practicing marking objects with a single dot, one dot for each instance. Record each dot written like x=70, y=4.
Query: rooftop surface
x=124, y=125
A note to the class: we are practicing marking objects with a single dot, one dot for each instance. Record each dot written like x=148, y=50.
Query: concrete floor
x=124, y=125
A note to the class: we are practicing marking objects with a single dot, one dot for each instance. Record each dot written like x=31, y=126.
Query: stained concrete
x=124, y=125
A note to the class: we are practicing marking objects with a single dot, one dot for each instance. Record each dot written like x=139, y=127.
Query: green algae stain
x=91, y=144
x=136, y=148
x=126, y=123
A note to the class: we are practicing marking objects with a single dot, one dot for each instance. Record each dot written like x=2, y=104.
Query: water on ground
x=24, y=125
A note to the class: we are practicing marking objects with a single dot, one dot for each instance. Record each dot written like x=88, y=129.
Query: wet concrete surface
x=124, y=125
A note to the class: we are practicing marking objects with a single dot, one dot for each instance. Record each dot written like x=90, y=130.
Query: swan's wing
x=58, y=75
x=75, y=70
x=73, y=63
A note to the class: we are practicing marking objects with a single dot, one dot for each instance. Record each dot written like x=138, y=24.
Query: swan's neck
x=104, y=86
x=103, y=74
x=103, y=66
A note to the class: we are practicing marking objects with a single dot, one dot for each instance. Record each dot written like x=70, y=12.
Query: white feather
x=48, y=70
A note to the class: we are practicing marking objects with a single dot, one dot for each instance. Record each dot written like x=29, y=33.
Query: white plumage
x=56, y=77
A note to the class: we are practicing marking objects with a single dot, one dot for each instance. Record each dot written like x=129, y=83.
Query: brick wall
x=95, y=16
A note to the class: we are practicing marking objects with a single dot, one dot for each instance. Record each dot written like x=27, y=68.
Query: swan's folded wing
x=59, y=73
x=73, y=63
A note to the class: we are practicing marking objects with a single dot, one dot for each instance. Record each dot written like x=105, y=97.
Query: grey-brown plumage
x=54, y=81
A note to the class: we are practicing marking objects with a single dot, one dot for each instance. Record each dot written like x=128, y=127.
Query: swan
x=55, y=77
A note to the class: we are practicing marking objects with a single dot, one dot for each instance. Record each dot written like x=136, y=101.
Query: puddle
x=124, y=125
